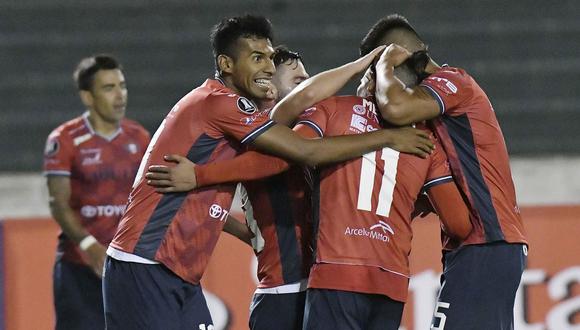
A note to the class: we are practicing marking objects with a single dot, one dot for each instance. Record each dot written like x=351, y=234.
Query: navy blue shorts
x=478, y=287
x=143, y=296
x=277, y=311
x=338, y=310
x=78, y=297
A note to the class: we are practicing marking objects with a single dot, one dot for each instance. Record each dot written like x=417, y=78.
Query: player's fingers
x=420, y=153
x=173, y=158
x=421, y=133
x=426, y=148
x=158, y=168
x=157, y=176
x=377, y=51
x=159, y=183
x=427, y=141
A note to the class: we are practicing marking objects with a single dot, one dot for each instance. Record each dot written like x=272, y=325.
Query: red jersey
x=278, y=212
x=180, y=230
x=470, y=133
x=101, y=171
x=362, y=207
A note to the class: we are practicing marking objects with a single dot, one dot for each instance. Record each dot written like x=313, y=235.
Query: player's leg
x=479, y=287
x=334, y=309
x=140, y=296
x=277, y=311
x=78, y=300
x=195, y=312
x=386, y=313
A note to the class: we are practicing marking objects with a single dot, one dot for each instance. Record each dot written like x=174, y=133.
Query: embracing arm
x=400, y=105
x=282, y=141
x=450, y=206
x=318, y=88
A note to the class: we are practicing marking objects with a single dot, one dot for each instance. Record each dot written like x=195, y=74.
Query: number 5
x=440, y=315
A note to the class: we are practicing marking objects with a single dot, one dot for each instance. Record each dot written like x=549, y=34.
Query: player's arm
x=400, y=105
x=282, y=141
x=59, y=191
x=248, y=166
x=238, y=230
x=453, y=213
x=318, y=88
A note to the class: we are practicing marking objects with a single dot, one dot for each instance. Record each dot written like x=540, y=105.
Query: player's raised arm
x=397, y=104
x=319, y=87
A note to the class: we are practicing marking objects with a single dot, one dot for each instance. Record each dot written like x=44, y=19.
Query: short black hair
x=282, y=54
x=84, y=74
x=385, y=25
x=224, y=35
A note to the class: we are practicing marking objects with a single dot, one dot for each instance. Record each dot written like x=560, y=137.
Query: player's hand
x=97, y=254
x=422, y=207
x=178, y=178
x=393, y=56
x=412, y=141
x=367, y=85
x=364, y=62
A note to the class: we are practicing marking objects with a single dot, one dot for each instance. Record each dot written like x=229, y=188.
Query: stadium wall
x=549, y=297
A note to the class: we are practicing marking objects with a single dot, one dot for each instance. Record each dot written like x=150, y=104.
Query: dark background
x=525, y=54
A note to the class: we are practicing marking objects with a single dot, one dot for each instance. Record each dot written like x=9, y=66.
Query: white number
x=148, y=153
x=367, y=181
x=204, y=327
x=440, y=315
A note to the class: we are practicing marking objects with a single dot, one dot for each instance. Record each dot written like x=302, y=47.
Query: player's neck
x=229, y=82
x=101, y=126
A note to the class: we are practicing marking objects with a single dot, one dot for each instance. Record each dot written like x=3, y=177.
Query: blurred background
x=525, y=55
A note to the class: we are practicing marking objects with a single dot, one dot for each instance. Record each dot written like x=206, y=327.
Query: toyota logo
x=215, y=211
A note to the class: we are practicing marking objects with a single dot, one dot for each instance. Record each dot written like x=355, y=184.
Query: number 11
x=367, y=181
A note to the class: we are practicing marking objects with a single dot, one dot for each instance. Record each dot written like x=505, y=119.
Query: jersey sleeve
x=439, y=171
x=236, y=117
x=250, y=165
x=318, y=116
x=449, y=87
x=58, y=154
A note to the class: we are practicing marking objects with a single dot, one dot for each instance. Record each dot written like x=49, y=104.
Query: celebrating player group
x=329, y=185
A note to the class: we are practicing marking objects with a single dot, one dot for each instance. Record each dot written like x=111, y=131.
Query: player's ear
x=86, y=98
x=225, y=64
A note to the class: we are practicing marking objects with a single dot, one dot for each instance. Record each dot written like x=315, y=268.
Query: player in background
x=163, y=242
x=90, y=163
x=480, y=277
x=360, y=277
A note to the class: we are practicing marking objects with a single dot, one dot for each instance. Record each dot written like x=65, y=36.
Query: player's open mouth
x=263, y=83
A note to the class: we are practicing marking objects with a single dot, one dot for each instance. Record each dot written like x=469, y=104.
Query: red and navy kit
x=362, y=207
x=180, y=230
x=279, y=206
x=101, y=171
x=470, y=133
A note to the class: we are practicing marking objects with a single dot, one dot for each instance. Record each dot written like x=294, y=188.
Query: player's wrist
x=87, y=242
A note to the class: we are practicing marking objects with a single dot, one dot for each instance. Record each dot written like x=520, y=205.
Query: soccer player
x=480, y=277
x=362, y=212
x=277, y=211
x=163, y=242
x=90, y=163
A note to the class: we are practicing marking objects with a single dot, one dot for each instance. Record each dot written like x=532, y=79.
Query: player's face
x=253, y=67
x=109, y=95
x=289, y=75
